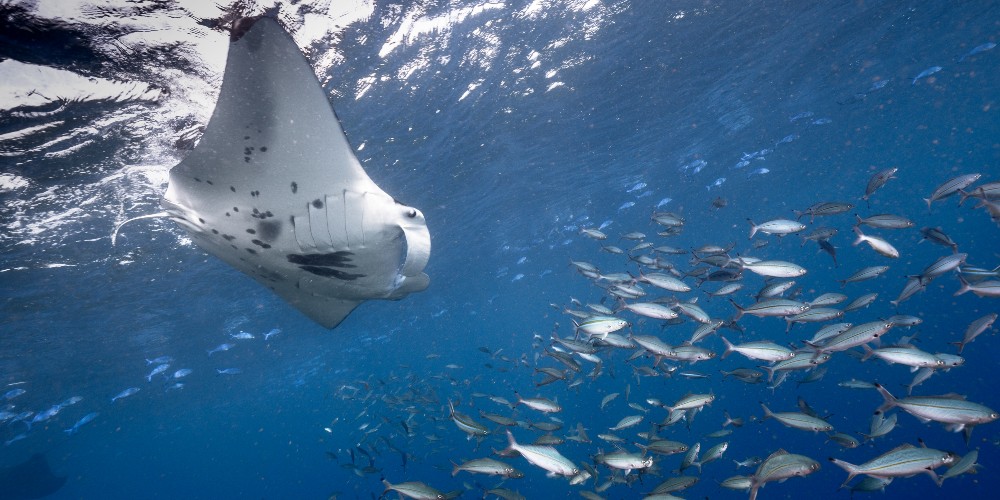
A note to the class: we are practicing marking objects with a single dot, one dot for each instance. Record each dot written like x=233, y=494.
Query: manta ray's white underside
x=274, y=189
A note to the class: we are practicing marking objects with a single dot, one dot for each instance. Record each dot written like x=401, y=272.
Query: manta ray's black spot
x=326, y=272
x=295, y=187
x=233, y=189
x=255, y=193
x=246, y=137
x=247, y=151
x=246, y=159
x=334, y=259
x=229, y=237
x=263, y=149
x=318, y=203
x=215, y=231
x=197, y=179
x=227, y=214
x=201, y=220
x=252, y=251
x=235, y=209
x=252, y=231
x=210, y=183
x=260, y=244
x=269, y=230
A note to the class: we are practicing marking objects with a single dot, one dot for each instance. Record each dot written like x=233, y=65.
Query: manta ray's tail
x=114, y=234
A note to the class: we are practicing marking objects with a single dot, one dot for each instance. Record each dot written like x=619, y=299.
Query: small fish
x=83, y=421
x=156, y=371
x=800, y=116
x=545, y=457
x=45, y=415
x=273, y=332
x=160, y=360
x=487, y=466
x=787, y=139
x=878, y=180
x=902, y=461
x=228, y=371
x=798, y=420
x=950, y=187
x=878, y=85
x=220, y=348
x=13, y=393
x=412, y=489
x=925, y=73
x=975, y=329
x=183, y=372
x=242, y=335
x=636, y=187
x=978, y=49
x=878, y=244
x=780, y=466
x=126, y=393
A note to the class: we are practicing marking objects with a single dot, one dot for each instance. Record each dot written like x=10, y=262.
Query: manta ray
x=274, y=189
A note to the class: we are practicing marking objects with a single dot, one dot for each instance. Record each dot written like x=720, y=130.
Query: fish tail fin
x=767, y=411
x=861, y=236
x=890, y=400
x=455, y=468
x=388, y=486
x=964, y=196
x=770, y=372
x=755, y=486
x=729, y=347
x=928, y=200
x=753, y=228
x=739, y=310
x=511, y=443
x=868, y=352
x=852, y=470
x=965, y=286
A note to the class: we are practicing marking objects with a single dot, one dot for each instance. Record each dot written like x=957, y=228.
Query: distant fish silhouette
x=29, y=479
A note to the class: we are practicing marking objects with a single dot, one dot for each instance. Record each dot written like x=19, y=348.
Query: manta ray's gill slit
x=251, y=231
x=318, y=203
x=233, y=189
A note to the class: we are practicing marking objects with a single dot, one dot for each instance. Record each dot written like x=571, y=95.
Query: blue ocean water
x=512, y=126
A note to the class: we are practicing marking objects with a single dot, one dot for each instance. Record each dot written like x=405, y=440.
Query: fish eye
x=411, y=213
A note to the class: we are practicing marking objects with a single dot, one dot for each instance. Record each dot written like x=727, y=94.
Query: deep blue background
x=506, y=176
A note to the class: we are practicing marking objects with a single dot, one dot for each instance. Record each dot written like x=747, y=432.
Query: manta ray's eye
x=411, y=213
